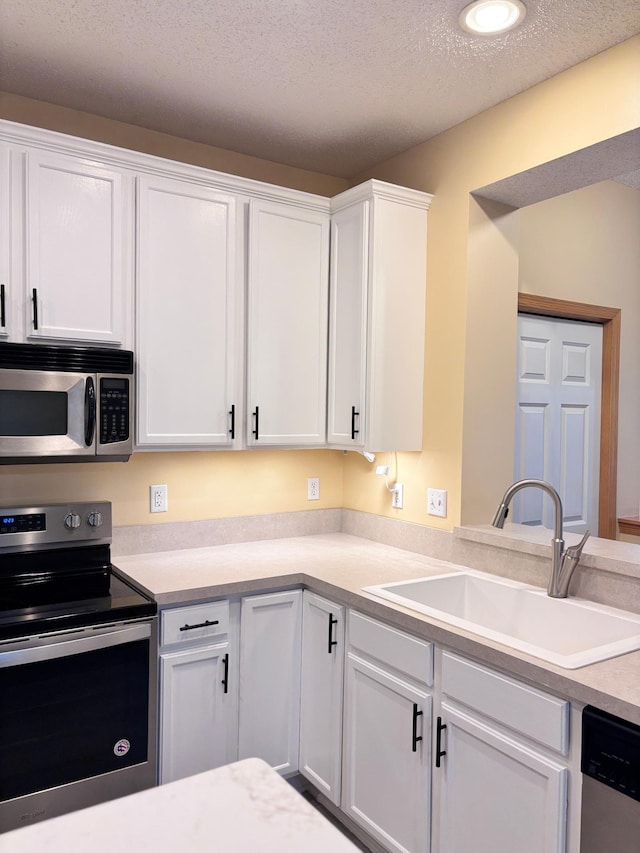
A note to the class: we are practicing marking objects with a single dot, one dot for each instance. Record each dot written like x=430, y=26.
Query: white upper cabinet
x=189, y=315
x=78, y=230
x=377, y=321
x=5, y=246
x=348, y=325
x=287, y=324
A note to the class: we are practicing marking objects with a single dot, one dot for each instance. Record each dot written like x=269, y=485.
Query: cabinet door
x=397, y=318
x=269, y=726
x=387, y=748
x=287, y=328
x=321, y=699
x=189, y=305
x=496, y=794
x=76, y=225
x=5, y=247
x=196, y=704
x=347, y=326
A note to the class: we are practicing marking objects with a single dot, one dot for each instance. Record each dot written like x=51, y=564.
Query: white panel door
x=287, y=326
x=348, y=326
x=321, y=693
x=196, y=728
x=386, y=764
x=76, y=225
x=270, y=637
x=558, y=419
x=189, y=306
x=496, y=795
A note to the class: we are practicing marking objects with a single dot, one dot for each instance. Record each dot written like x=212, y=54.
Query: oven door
x=77, y=719
x=46, y=414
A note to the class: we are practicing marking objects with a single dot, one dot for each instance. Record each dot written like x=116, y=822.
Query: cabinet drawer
x=195, y=622
x=404, y=653
x=535, y=714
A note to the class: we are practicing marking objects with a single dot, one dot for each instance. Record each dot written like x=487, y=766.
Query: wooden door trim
x=610, y=320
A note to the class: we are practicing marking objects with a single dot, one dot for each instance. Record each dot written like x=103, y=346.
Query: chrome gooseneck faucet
x=563, y=563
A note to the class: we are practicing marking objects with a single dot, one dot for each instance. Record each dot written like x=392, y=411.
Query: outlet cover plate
x=313, y=489
x=158, y=498
x=398, y=496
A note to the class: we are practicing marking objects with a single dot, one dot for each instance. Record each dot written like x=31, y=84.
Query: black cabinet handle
x=204, y=624
x=34, y=297
x=225, y=677
x=415, y=738
x=354, y=415
x=256, y=415
x=440, y=727
x=232, y=428
x=331, y=642
x=3, y=319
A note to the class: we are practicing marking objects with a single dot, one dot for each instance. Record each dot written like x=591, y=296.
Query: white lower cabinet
x=444, y=757
x=386, y=741
x=198, y=690
x=269, y=724
x=501, y=775
x=323, y=633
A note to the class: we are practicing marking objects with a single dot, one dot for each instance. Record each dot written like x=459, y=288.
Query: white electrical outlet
x=382, y=469
x=313, y=489
x=158, y=498
x=398, y=494
x=437, y=502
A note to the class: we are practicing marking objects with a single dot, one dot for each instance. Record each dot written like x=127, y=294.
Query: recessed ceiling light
x=487, y=17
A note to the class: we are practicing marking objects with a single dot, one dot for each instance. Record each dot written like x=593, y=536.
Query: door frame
x=610, y=320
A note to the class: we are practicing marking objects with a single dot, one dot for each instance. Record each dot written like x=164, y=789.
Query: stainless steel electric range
x=78, y=666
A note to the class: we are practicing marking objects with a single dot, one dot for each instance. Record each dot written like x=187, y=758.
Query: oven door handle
x=59, y=646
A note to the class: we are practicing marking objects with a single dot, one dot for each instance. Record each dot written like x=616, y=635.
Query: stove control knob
x=72, y=521
x=94, y=519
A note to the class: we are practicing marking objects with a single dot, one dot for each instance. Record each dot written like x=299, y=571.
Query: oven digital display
x=23, y=523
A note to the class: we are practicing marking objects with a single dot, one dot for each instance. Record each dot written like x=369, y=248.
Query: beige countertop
x=338, y=566
x=240, y=808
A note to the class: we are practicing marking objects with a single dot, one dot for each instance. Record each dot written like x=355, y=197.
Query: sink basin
x=567, y=632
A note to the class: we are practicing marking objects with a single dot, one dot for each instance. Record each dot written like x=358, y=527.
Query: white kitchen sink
x=568, y=632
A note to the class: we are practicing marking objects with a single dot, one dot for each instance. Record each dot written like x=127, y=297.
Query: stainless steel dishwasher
x=610, y=784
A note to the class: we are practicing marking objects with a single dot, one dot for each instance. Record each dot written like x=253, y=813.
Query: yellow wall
x=470, y=330
x=200, y=485
x=466, y=331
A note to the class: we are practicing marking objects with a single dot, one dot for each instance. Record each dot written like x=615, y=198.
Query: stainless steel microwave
x=65, y=404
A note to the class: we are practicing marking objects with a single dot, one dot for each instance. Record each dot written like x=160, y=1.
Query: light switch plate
x=437, y=502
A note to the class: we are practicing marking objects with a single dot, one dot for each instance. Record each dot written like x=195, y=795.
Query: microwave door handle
x=89, y=411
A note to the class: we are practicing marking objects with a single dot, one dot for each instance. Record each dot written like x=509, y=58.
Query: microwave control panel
x=114, y=410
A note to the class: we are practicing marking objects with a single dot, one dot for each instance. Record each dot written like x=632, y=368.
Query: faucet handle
x=576, y=550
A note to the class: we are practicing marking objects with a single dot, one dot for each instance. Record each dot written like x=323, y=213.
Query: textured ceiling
x=324, y=85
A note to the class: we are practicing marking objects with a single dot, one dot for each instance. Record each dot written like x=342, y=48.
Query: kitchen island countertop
x=240, y=808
